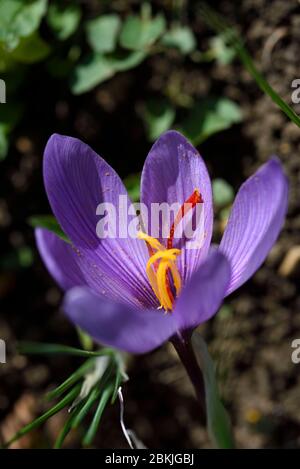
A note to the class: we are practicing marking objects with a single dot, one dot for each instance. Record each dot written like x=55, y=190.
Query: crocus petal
x=172, y=171
x=77, y=180
x=255, y=221
x=118, y=325
x=203, y=294
x=59, y=259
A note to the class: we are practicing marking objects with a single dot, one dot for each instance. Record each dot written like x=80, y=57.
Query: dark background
x=251, y=339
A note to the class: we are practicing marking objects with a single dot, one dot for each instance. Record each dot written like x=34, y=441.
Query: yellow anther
x=160, y=264
x=153, y=242
x=167, y=255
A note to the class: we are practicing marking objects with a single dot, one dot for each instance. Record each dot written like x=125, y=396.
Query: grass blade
x=37, y=422
x=90, y=435
x=33, y=348
x=118, y=381
x=86, y=407
x=79, y=373
x=220, y=26
x=66, y=429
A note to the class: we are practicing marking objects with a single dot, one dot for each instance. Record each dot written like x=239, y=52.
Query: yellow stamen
x=153, y=242
x=160, y=264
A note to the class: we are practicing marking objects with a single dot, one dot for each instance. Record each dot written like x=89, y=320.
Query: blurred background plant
x=117, y=74
x=85, y=48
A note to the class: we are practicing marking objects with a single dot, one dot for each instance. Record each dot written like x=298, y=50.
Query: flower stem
x=186, y=354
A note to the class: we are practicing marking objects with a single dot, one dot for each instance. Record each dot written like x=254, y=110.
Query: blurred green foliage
x=141, y=32
x=18, y=20
x=86, y=50
x=218, y=421
x=223, y=193
x=102, y=33
x=159, y=116
x=21, y=257
x=209, y=116
x=63, y=21
x=181, y=38
x=132, y=184
x=48, y=222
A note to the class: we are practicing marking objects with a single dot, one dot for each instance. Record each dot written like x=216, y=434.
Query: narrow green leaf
x=118, y=382
x=220, y=26
x=78, y=374
x=49, y=222
x=86, y=406
x=85, y=339
x=90, y=435
x=102, y=32
x=218, y=422
x=37, y=422
x=34, y=348
x=66, y=428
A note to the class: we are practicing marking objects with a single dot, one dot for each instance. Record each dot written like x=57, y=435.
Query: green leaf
x=159, y=116
x=208, y=117
x=72, y=379
x=33, y=348
x=223, y=192
x=37, y=422
x=121, y=61
x=223, y=53
x=66, y=429
x=217, y=23
x=132, y=184
x=181, y=38
x=19, y=18
x=85, y=339
x=63, y=20
x=141, y=32
x=97, y=68
x=48, y=222
x=102, y=32
x=92, y=71
x=95, y=380
x=218, y=422
x=118, y=381
x=104, y=399
x=31, y=49
x=87, y=405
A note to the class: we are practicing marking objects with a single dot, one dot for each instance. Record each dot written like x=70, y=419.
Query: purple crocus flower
x=112, y=292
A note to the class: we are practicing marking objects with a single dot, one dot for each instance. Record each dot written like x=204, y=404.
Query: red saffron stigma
x=195, y=198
